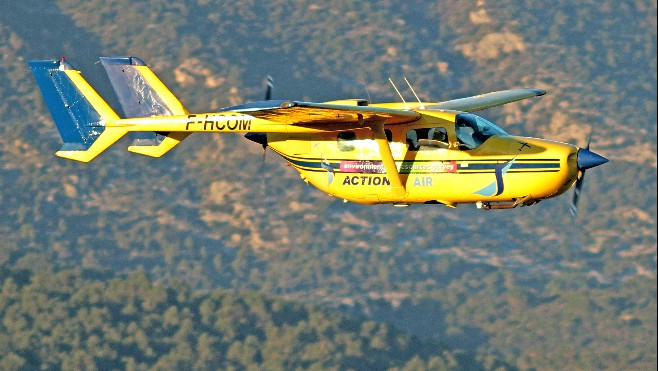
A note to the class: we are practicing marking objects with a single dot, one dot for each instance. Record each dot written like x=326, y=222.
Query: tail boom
x=88, y=125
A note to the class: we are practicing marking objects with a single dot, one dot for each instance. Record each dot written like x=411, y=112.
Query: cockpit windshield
x=473, y=130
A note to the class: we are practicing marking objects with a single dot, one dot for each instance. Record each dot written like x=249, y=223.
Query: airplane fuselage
x=502, y=169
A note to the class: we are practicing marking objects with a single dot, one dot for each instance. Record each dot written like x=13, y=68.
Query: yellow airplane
x=394, y=153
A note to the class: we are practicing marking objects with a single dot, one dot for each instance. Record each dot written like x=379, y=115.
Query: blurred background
x=209, y=258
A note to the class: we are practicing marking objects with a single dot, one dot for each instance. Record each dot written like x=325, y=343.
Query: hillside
x=88, y=319
x=491, y=284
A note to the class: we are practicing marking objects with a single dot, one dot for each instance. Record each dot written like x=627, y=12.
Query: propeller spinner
x=586, y=160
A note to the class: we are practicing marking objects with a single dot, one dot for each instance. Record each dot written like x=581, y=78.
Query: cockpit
x=472, y=130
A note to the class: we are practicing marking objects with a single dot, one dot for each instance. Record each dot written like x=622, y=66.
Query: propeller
x=261, y=138
x=586, y=160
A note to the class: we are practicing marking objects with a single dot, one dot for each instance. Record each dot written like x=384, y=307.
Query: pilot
x=439, y=135
x=465, y=136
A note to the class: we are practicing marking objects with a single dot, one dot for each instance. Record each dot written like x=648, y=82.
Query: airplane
x=397, y=153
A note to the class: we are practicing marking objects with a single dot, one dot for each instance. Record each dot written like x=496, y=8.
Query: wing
x=328, y=116
x=484, y=101
x=324, y=116
x=333, y=117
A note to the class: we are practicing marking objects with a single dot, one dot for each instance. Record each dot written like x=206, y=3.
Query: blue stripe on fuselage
x=316, y=164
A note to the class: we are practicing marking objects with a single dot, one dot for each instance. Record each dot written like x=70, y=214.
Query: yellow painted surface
x=446, y=175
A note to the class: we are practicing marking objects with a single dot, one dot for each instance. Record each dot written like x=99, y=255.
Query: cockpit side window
x=414, y=136
x=465, y=135
x=473, y=130
x=436, y=138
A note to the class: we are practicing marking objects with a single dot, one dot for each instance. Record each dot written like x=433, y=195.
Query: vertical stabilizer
x=142, y=94
x=80, y=114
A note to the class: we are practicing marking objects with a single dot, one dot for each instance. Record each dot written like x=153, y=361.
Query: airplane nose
x=588, y=159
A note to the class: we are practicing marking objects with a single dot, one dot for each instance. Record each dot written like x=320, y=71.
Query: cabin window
x=389, y=135
x=345, y=139
x=413, y=136
x=436, y=137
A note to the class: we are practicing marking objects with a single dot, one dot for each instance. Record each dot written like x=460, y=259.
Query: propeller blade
x=262, y=171
x=576, y=194
x=262, y=164
x=261, y=138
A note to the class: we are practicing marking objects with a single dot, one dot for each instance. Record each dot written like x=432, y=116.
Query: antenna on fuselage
x=363, y=81
x=406, y=106
x=422, y=106
x=269, y=86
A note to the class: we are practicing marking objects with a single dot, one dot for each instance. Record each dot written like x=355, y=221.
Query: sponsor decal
x=497, y=187
x=366, y=180
x=377, y=167
x=429, y=167
x=330, y=170
x=425, y=181
x=369, y=167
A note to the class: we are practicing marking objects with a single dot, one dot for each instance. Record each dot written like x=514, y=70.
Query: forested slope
x=87, y=319
x=497, y=286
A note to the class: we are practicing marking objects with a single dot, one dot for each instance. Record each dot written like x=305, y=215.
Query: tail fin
x=142, y=94
x=81, y=115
